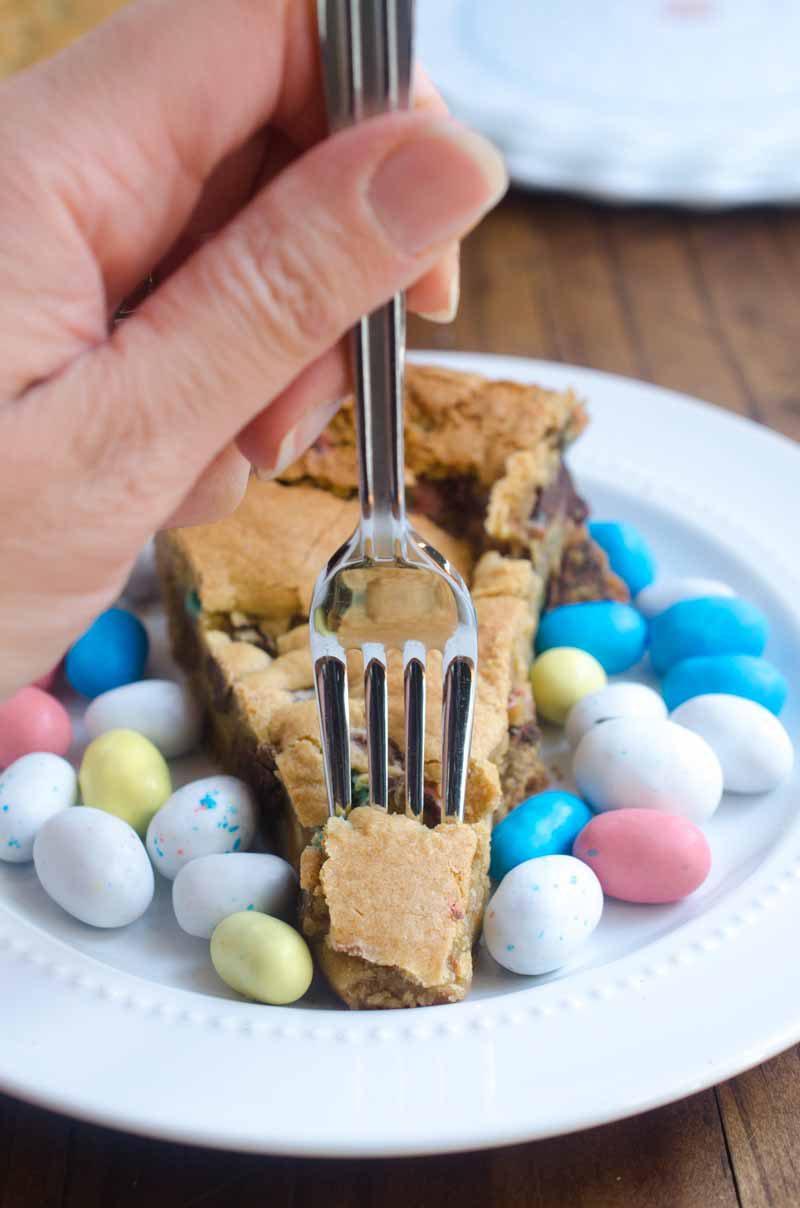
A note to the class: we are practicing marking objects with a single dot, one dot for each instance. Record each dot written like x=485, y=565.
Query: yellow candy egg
x=561, y=677
x=261, y=957
x=123, y=773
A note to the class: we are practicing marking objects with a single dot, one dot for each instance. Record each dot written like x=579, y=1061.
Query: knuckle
x=287, y=291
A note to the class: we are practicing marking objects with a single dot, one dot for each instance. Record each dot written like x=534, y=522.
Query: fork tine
x=330, y=675
x=377, y=714
x=414, y=659
x=458, y=705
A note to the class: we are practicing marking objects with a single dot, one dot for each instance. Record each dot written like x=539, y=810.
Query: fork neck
x=379, y=357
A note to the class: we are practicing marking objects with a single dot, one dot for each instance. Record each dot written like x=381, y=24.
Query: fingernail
x=298, y=439
x=434, y=187
x=449, y=312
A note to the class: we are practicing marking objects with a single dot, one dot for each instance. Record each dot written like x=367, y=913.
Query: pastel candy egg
x=94, y=866
x=662, y=594
x=164, y=712
x=628, y=553
x=142, y=582
x=544, y=825
x=204, y=818
x=750, y=743
x=124, y=773
x=542, y=914
x=711, y=625
x=262, y=958
x=32, y=789
x=615, y=700
x=32, y=721
x=560, y=677
x=207, y=890
x=644, y=855
x=112, y=652
x=733, y=674
x=615, y=634
x=639, y=763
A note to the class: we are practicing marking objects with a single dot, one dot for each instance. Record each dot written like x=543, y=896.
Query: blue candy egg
x=732, y=674
x=545, y=825
x=628, y=553
x=614, y=633
x=112, y=652
x=709, y=625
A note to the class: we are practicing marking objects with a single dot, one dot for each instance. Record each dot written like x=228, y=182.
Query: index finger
x=130, y=123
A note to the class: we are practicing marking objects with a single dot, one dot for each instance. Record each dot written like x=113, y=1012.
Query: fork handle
x=367, y=55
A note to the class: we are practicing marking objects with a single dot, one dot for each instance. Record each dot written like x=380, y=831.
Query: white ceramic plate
x=133, y=1029
x=688, y=101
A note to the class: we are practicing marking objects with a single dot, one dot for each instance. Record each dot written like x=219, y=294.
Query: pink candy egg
x=47, y=681
x=33, y=721
x=644, y=855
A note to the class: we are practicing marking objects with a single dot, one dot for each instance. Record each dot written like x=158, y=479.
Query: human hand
x=188, y=137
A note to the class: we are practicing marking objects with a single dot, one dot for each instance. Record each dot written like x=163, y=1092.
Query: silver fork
x=386, y=588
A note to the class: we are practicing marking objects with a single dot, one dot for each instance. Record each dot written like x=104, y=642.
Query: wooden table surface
x=709, y=305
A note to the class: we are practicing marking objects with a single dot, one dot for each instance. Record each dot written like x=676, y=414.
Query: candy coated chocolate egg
x=262, y=958
x=628, y=553
x=615, y=700
x=163, y=711
x=142, y=582
x=32, y=789
x=615, y=634
x=644, y=855
x=639, y=763
x=542, y=914
x=750, y=743
x=544, y=825
x=731, y=674
x=95, y=866
x=31, y=720
x=112, y=652
x=662, y=594
x=207, y=890
x=708, y=626
x=560, y=678
x=124, y=773
x=210, y=816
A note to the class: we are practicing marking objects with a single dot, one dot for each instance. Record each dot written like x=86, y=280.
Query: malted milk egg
x=753, y=747
x=616, y=700
x=164, y=712
x=32, y=789
x=542, y=914
x=94, y=866
x=640, y=763
x=662, y=594
x=210, y=816
x=207, y=890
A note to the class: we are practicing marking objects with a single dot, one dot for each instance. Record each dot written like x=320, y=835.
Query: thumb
x=362, y=215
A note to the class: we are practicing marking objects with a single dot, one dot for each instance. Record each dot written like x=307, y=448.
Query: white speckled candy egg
x=662, y=594
x=163, y=711
x=32, y=789
x=207, y=890
x=95, y=866
x=204, y=818
x=639, y=763
x=616, y=700
x=752, y=746
x=542, y=913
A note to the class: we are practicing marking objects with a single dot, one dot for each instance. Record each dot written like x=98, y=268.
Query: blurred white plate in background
x=695, y=102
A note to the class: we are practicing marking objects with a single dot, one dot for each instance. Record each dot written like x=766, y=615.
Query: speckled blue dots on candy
x=731, y=674
x=111, y=653
x=614, y=633
x=628, y=553
x=544, y=825
x=710, y=625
